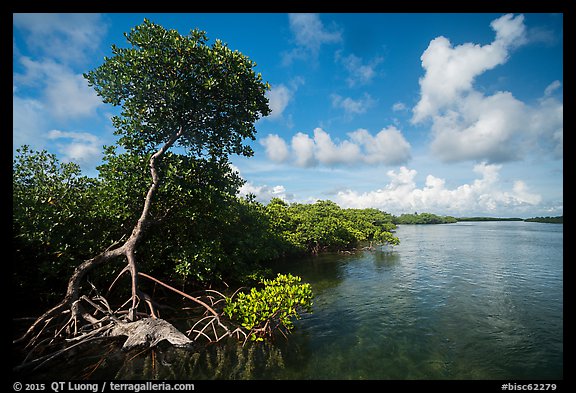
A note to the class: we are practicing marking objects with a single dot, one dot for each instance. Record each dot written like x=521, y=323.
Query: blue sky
x=458, y=114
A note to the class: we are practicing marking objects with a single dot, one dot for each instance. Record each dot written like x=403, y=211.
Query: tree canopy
x=167, y=83
x=325, y=226
x=165, y=204
x=424, y=218
x=174, y=91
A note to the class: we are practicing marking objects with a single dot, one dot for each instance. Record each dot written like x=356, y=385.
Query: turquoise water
x=471, y=300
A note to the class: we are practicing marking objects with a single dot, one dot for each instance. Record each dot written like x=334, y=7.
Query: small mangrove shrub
x=272, y=307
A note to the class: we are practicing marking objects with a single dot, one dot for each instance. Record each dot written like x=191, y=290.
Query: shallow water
x=471, y=300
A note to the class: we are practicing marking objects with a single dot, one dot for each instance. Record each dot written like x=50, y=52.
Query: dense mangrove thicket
x=206, y=235
x=163, y=216
x=105, y=246
x=423, y=218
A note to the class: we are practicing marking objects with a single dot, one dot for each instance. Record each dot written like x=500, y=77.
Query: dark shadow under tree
x=175, y=91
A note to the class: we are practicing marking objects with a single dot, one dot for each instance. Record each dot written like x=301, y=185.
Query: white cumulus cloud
x=262, y=193
x=48, y=87
x=303, y=150
x=278, y=97
x=470, y=125
x=67, y=37
x=276, y=148
x=485, y=194
x=281, y=95
x=328, y=152
x=79, y=147
x=65, y=94
x=387, y=147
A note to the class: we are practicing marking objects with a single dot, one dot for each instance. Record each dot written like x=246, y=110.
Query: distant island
x=490, y=219
x=429, y=218
x=422, y=218
x=548, y=219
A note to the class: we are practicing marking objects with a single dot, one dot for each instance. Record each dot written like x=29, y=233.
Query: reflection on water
x=227, y=361
x=458, y=301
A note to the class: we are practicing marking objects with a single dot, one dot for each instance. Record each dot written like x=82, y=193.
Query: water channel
x=471, y=300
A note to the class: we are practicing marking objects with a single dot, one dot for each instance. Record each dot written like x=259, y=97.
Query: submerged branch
x=200, y=302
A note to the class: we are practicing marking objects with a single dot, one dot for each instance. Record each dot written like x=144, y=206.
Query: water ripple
x=459, y=301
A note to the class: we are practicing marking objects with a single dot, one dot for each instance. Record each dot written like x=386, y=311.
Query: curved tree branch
x=70, y=301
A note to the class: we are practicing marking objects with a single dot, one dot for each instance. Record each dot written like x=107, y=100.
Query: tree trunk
x=71, y=299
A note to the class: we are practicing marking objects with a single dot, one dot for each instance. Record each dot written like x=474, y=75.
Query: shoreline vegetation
x=429, y=218
x=159, y=234
x=51, y=201
x=547, y=219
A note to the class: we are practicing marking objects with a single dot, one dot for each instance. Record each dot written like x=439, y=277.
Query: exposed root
x=91, y=317
x=79, y=318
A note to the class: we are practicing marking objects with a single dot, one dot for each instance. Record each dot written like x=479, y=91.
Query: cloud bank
x=388, y=147
x=470, y=125
x=485, y=194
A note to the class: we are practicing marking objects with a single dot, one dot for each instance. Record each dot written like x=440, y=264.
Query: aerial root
x=91, y=317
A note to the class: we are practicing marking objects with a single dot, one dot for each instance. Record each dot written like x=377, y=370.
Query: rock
x=150, y=332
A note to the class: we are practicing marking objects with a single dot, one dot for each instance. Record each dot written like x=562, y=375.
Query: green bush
x=263, y=311
x=325, y=226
